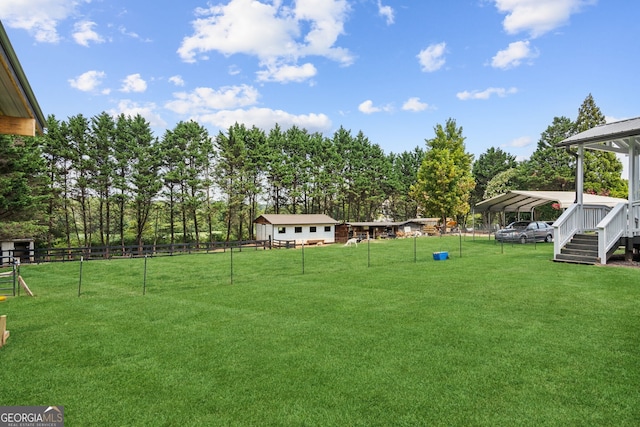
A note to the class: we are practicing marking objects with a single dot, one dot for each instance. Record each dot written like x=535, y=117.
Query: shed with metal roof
x=302, y=228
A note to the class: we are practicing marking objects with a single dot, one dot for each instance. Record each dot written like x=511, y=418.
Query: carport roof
x=524, y=201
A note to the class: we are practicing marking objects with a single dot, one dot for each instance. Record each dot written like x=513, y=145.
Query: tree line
x=108, y=180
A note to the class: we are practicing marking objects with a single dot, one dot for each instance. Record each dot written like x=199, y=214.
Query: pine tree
x=602, y=169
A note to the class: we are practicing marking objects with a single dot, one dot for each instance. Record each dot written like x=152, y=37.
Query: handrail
x=610, y=229
x=565, y=227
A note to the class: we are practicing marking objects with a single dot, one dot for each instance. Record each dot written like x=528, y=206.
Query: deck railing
x=611, y=229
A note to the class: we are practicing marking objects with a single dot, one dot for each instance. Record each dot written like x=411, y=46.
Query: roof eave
x=25, y=88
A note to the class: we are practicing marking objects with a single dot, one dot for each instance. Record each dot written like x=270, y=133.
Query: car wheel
x=523, y=239
x=549, y=238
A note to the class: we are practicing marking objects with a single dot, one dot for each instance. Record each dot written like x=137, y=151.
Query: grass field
x=376, y=335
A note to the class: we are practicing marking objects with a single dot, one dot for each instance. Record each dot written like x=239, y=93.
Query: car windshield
x=519, y=224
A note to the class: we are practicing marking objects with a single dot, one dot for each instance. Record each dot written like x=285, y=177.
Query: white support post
x=580, y=186
x=634, y=173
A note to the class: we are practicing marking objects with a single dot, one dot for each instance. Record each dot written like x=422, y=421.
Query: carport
x=519, y=201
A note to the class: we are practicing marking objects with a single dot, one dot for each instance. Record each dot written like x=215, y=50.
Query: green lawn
x=376, y=335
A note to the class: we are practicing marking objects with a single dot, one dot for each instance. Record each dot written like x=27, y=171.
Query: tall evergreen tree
x=23, y=188
x=194, y=141
x=102, y=136
x=602, y=169
x=124, y=153
x=145, y=173
x=231, y=157
x=82, y=167
x=488, y=165
x=405, y=166
x=57, y=156
x=551, y=168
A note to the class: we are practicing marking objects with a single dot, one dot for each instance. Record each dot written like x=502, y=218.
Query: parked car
x=526, y=231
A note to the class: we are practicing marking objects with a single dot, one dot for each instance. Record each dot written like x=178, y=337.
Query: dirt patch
x=619, y=261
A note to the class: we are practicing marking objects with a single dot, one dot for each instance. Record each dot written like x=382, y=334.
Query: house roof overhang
x=20, y=113
x=615, y=137
x=525, y=201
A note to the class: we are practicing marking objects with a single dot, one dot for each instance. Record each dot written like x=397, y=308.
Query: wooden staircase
x=582, y=249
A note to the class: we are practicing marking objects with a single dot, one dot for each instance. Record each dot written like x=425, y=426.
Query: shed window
x=327, y=228
x=298, y=229
x=282, y=230
x=312, y=229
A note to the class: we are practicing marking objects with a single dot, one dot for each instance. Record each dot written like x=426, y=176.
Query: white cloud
x=133, y=35
x=367, y=107
x=203, y=99
x=538, y=17
x=89, y=81
x=273, y=33
x=177, y=80
x=287, y=73
x=147, y=110
x=611, y=119
x=84, y=33
x=414, y=104
x=225, y=106
x=431, y=58
x=39, y=17
x=513, y=55
x=486, y=94
x=520, y=142
x=133, y=83
x=266, y=118
x=386, y=12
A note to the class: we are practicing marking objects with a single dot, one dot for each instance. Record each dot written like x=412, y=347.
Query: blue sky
x=394, y=69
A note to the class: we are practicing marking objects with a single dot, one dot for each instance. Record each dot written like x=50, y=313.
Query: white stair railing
x=576, y=219
x=565, y=227
x=611, y=229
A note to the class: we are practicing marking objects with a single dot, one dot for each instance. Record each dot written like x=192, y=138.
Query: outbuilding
x=20, y=249
x=303, y=228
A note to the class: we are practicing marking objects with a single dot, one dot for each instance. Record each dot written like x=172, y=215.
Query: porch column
x=634, y=186
x=634, y=173
x=580, y=186
x=580, y=175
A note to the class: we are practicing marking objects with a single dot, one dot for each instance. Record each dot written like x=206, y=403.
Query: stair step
x=586, y=246
x=579, y=251
x=587, y=235
x=576, y=259
x=588, y=242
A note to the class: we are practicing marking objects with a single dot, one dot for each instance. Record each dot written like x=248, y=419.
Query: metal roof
x=616, y=137
x=524, y=201
x=16, y=97
x=302, y=219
